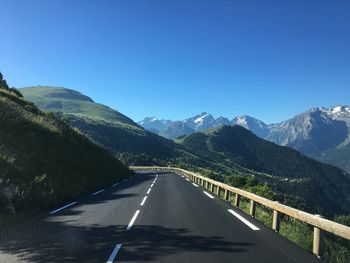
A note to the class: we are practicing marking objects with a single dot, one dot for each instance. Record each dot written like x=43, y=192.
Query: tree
x=3, y=83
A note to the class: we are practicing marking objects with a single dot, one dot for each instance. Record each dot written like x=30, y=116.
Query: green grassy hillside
x=324, y=188
x=73, y=102
x=43, y=162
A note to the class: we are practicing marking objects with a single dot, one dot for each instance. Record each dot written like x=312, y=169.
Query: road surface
x=151, y=217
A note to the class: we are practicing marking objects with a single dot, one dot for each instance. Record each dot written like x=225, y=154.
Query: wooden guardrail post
x=276, y=221
x=226, y=195
x=218, y=190
x=318, y=241
x=237, y=199
x=252, y=208
x=211, y=187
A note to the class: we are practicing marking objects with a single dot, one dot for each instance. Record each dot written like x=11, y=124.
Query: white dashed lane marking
x=132, y=221
x=114, y=253
x=209, y=195
x=59, y=209
x=245, y=221
x=143, y=201
x=98, y=192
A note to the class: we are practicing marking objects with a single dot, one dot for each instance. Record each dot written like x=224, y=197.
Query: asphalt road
x=147, y=218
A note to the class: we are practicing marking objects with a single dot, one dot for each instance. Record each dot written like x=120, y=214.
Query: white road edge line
x=133, y=219
x=114, y=253
x=115, y=184
x=59, y=209
x=149, y=190
x=151, y=185
x=182, y=176
x=245, y=221
x=209, y=195
x=98, y=192
x=143, y=201
x=187, y=179
x=196, y=185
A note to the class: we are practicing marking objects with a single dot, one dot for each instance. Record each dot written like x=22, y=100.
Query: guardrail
x=319, y=224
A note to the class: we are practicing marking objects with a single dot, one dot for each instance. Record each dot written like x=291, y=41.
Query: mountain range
x=321, y=133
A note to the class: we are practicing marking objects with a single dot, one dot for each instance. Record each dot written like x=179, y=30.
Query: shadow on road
x=58, y=242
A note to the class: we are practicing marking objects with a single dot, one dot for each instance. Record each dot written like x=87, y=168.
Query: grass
x=70, y=101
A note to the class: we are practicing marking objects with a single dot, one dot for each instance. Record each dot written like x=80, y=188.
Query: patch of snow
x=241, y=121
x=200, y=120
x=337, y=109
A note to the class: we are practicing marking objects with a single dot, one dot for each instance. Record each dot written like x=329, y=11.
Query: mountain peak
x=338, y=109
x=55, y=93
x=204, y=116
x=149, y=119
x=256, y=126
x=154, y=124
x=72, y=102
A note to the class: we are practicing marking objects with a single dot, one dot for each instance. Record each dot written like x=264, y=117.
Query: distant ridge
x=55, y=92
x=321, y=133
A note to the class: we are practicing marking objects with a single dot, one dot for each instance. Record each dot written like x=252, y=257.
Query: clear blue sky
x=173, y=59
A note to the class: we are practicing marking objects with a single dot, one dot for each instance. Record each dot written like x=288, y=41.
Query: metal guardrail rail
x=320, y=224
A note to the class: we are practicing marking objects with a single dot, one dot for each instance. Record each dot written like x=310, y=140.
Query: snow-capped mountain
x=254, y=125
x=341, y=113
x=200, y=122
x=172, y=129
x=153, y=124
x=322, y=133
x=310, y=132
